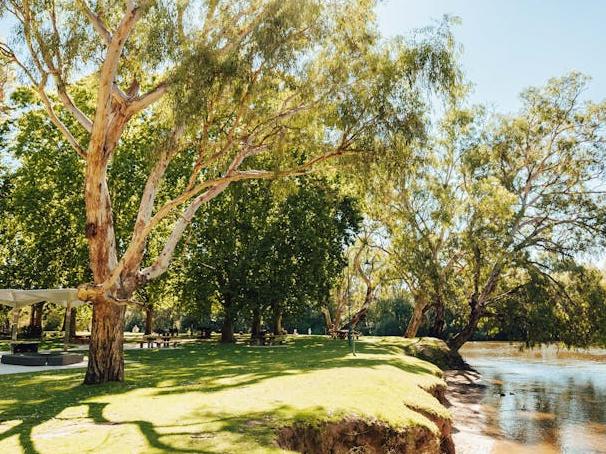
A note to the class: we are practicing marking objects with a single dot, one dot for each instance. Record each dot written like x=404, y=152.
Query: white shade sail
x=20, y=298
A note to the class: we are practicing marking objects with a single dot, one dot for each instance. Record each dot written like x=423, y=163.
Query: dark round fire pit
x=42, y=359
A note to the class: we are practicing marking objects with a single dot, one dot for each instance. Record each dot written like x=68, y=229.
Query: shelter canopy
x=18, y=299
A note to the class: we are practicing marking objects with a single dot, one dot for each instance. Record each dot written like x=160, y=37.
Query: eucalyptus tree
x=297, y=82
x=536, y=185
x=362, y=280
x=472, y=216
x=43, y=213
x=421, y=209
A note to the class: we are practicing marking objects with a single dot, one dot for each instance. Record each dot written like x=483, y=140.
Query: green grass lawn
x=213, y=398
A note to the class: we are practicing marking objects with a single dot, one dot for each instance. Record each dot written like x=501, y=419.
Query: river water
x=544, y=400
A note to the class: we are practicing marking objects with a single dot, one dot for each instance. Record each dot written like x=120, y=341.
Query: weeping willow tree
x=296, y=84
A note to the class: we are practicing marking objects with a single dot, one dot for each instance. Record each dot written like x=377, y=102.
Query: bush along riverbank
x=436, y=352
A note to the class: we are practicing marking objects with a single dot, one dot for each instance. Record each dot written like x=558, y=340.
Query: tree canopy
x=290, y=84
x=263, y=254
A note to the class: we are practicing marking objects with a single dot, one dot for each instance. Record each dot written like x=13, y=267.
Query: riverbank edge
x=341, y=434
x=351, y=432
x=463, y=394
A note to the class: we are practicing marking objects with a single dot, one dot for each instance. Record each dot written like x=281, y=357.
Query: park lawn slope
x=215, y=398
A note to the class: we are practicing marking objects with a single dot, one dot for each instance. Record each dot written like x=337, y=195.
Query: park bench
x=151, y=341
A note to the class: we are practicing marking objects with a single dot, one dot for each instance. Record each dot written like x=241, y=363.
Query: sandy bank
x=464, y=395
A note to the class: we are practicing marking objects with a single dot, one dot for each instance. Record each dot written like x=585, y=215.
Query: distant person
x=309, y=331
x=135, y=329
x=295, y=332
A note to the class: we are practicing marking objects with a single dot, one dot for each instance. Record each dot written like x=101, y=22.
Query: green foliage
x=567, y=306
x=42, y=205
x=489, y=200
x=388, y=317
x=253, y=249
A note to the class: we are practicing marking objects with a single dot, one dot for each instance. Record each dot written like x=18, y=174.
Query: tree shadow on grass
x=216, y=367
x=38, y=398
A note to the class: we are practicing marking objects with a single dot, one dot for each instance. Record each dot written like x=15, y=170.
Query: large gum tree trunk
x=416, y=320
x=470, y=328
x=106, y=360
x=477, y=304
x=106, y=356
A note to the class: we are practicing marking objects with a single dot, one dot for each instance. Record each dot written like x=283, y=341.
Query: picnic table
x=163, y=340
x=344, y=334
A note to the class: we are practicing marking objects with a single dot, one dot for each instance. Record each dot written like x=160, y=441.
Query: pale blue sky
x=509, y=45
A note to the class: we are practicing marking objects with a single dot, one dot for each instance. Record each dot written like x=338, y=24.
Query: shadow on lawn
x=207, y=366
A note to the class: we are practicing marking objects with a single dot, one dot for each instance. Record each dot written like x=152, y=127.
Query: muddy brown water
x=543, y=400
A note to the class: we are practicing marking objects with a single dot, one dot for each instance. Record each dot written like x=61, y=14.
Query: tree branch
x=107, y=78
x=139, y=103
x=96, y=22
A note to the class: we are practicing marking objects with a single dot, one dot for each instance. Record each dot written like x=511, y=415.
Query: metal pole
x=15, y=326
x=68, y=317
x=350, y=337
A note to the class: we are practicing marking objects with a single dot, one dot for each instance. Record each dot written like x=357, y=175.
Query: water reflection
x=543, y=400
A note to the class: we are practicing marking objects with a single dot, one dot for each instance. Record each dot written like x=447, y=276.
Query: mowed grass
x=213, y=398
